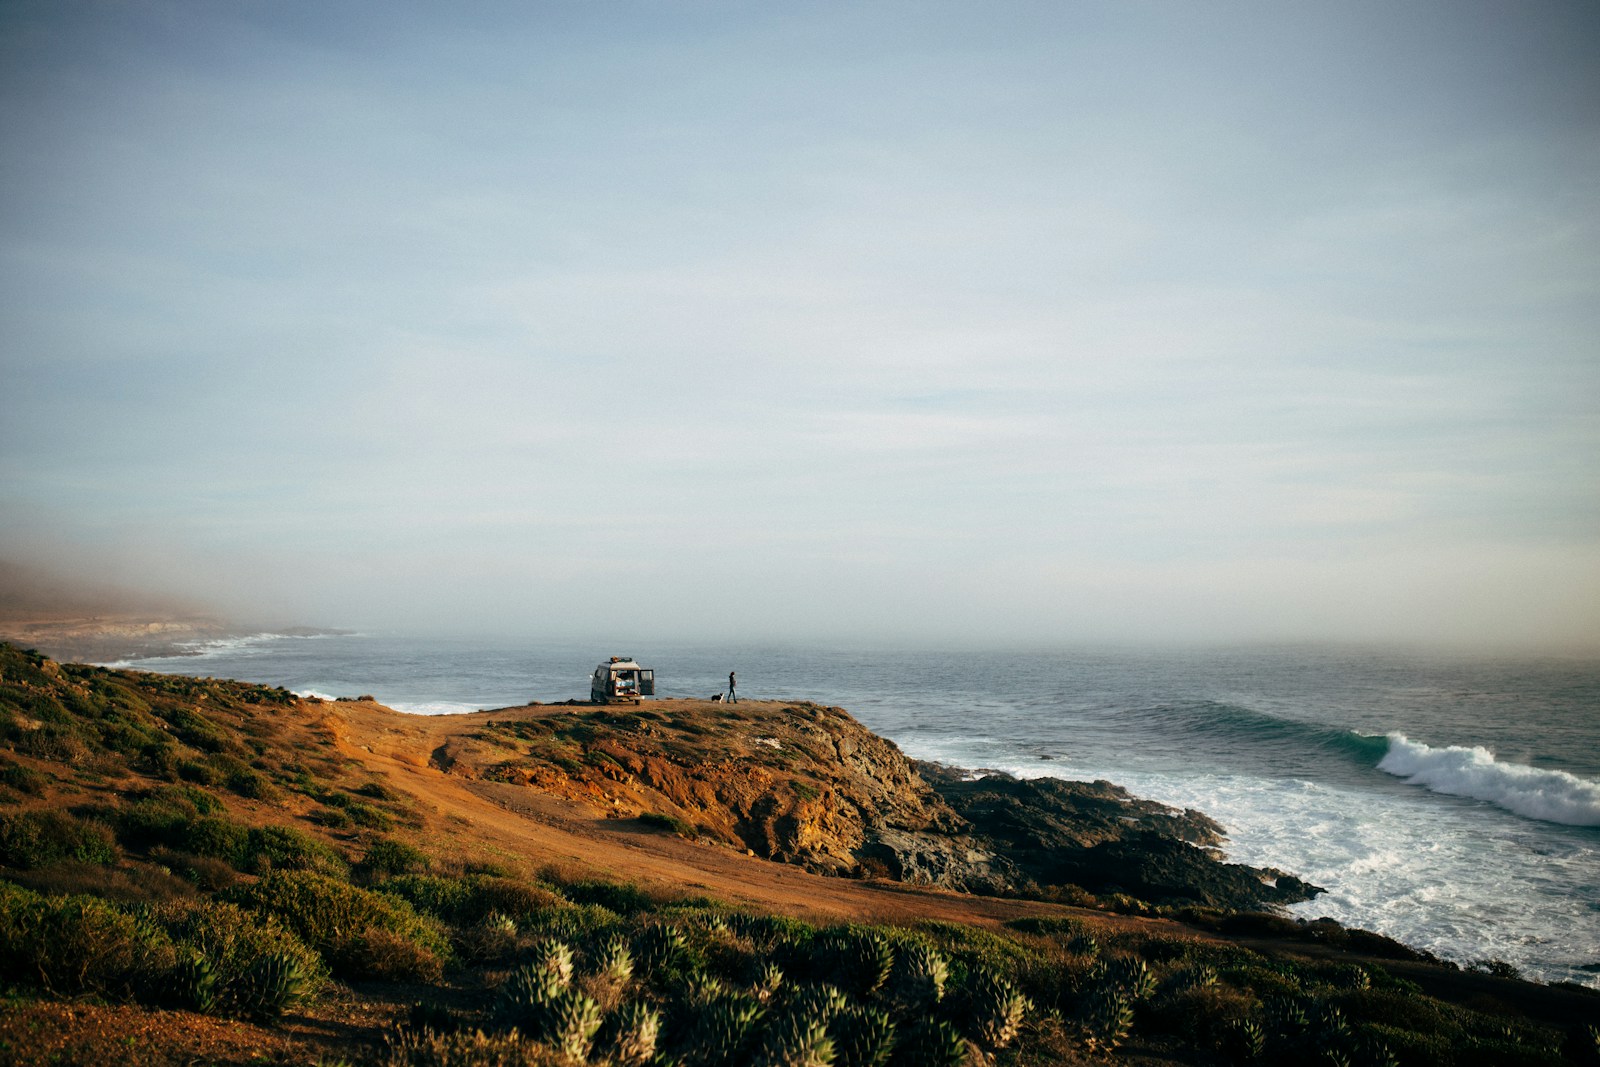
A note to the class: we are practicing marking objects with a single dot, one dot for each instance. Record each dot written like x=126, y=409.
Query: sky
x=924, y=322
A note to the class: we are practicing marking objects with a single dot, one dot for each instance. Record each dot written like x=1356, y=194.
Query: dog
x=716, y=698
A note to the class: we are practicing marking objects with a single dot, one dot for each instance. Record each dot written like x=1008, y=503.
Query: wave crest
x=1551, y=796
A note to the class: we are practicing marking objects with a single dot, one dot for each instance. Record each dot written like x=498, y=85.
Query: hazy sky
x=1026, y=322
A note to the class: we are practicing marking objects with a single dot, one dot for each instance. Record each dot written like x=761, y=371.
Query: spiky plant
x=1106, y=1019
x=1243, y=1040
x=523, y=996
x=613, y=960
x=1083, y=944
x=272, y=983
x=1199, y=976
x=767, y=982
x=995, y=1010
x=862, y=1037
x=195, y=983
x=570, y=1022
x=1287, y=1017
x=931, y=1043
x=818, y=1000
x=796, y=1039
x=700, y=987
x=632, y=1035
x=860, y=961
x=1128, y=974
x=919, y=977
x=658, y=945
x=722, y=1028
x=555, y=959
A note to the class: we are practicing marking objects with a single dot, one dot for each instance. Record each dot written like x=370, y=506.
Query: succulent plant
x=633, y=1034
x=931, y=1043
x=919, y=977
x=658, y=945
x=570, y=1022
x=1084, y=945
x=722, y=1028
x=613, y=960
x=1106, y=1019
x=995, y=1010
x=796, y=1039
x=194, y=983
x=1129, y=974
x=524, y=995
x=860, y=961
x=1243, y=1040
x=555, y=959
x=862, y=1037
x=767, y=983
x=272, y=983
x=699, y=987
x=1200, y=976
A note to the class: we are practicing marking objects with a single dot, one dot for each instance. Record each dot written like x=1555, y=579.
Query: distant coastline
x=121, y=638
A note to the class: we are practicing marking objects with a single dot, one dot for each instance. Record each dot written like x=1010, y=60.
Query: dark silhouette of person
x=732, y=699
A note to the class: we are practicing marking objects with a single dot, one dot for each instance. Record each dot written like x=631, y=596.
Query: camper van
x=622, y=681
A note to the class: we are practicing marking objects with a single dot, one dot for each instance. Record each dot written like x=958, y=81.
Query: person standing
x=732, y=680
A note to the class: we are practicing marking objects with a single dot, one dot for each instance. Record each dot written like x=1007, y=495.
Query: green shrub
x=22, y=779
x=285, y=848
x=34, y=838
x=235, y=962
x=78, y=944
x=388, y=857
x=359, y=932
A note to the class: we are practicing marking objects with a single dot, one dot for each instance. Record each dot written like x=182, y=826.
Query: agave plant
x=919, y=977
x=555, y=959
x=796, y=1039
x=524, y=995
x=996, y=1009
x=862, y=1037
x=658, y=945
x=1129, y=974
x=767, y=983
x=272, y=983
x=859, y=960
x=195, y=984
x=613, y=960
x=569, y=1023
x=634, y=1032
x=722, y=1027
x=1243, y=1040
x=932, y=1043
x=1106, y=1019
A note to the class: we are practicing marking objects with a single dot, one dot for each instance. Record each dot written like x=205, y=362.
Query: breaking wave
x=1551, y=796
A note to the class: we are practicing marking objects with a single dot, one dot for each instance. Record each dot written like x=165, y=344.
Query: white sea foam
x=1407, y=867
x=436, y=707
x=1535, y=793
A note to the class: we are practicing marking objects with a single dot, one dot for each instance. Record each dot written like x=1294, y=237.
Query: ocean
x=1450, y=802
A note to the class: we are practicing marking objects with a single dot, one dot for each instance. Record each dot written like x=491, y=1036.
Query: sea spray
x=1550, y=795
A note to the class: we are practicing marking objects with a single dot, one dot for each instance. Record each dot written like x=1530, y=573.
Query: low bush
x=388, y=857
x=22, y=779
x=38, y=837
x=354, y=929
x=73, y=945
x=234, y=962
x=268, y=848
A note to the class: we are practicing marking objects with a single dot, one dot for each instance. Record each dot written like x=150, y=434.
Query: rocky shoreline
x=805, y=784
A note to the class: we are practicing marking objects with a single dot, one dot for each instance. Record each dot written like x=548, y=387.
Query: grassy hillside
x=209, y=871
